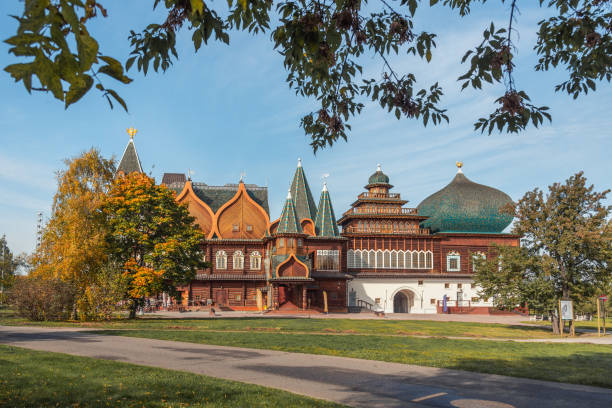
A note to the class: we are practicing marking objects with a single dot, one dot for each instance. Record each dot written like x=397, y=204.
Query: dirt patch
x=264, y=329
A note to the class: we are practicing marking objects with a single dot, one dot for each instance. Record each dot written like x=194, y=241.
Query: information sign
x=567, y=311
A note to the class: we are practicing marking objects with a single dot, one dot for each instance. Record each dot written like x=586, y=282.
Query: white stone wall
x=384, y=290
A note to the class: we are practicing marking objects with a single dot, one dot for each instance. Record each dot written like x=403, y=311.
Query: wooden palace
x=378, y=255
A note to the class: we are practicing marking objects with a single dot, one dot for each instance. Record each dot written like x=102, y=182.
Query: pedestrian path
x=354, y=382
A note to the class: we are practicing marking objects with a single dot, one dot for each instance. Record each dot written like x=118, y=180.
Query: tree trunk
x=133, y=308
x=554, y=320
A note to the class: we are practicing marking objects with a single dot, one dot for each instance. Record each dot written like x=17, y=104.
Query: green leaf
x=78, y=89
x=117, y=98
x=197, y=6
x=88, y=50
x=113, y=69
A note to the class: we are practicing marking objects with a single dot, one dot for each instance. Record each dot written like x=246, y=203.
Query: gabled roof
x=130, y=161
x=325, y=223
x=302, y=197
x=216, y=196
x=289, y=223
x=170, y=178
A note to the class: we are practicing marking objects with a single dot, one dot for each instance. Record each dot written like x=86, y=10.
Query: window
x=377, y=301
x=420, y=283
x=281, y=242
x=249, y=228
x=372, y=259
x=333, y=295
x=328, y=260
x=475, y=258
x=299, y=242
x=350, y=258
x=415, y=260
x=446, y=285
x=238, y=261
x=428, y=260
x=400, y=260
x=221, y=260
x=386, y=259
x=238, y=297
x=459, y=286
x=408, y=257
x=255, y=260
x=379, y=259
x=453, y=262
x=474, y=299
x=235, y=227
x=432, y=301
x=393, y=259
x=421, y=260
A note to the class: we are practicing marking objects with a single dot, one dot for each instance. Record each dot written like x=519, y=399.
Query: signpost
x=601, y=303
x=566, y=312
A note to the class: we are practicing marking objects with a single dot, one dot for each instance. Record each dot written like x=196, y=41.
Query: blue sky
x=227, y=110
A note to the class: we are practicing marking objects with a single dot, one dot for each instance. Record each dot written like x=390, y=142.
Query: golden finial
x=459, y=166
x=132, y=132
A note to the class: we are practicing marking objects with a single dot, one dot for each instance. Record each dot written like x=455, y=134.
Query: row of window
x=389, y=259
x=397, y=226
x=238, y=260
x=328, y=260
x=453, y=261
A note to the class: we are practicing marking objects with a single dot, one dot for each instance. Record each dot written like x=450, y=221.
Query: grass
x=587, y=364
x=40, y=379
x=308, y=326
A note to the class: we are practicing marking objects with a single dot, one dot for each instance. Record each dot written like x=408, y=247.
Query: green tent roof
x=325, y=223
x=302, y=197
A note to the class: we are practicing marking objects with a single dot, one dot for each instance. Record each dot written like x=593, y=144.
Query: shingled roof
x=289, y=223
x=302, y=197
x=130, y=161
x=216, y=196
x=170, y=178
x=325, y=223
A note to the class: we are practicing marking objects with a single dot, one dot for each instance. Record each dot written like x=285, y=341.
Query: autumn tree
x=73, y=246
x=565, y=250
x=322, y=42
x=151, y=236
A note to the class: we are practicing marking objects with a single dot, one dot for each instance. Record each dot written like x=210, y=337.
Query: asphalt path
x=354, y=382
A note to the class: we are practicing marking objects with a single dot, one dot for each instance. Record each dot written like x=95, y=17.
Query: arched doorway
x=403, y=301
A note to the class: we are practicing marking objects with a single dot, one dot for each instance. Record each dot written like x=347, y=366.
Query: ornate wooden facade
x=385, y=257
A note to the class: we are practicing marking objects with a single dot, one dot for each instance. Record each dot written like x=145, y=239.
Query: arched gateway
x=403, y=301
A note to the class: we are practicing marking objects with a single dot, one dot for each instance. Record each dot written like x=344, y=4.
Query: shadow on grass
x=40, y=379
x=413, y=383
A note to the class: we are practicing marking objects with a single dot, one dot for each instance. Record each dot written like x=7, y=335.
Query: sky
x=227, y=110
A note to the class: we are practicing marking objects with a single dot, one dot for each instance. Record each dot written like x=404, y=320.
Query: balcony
x=382, y=211
x=378, y=195
x=384, y=230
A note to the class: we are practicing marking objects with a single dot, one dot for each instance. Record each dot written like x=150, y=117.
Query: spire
x=302, y=197
x=288, y=222
x=325, y=223
x=459, y=166
x=378, y=167
x=129, y=161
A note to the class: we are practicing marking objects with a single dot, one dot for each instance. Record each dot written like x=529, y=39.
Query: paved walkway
x=354, y=382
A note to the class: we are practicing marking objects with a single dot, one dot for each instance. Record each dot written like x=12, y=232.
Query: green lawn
x=302, y=325
x=573, y=363
x=41, y=379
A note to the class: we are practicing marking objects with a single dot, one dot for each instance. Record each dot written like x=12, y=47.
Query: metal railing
x=378, y=195
x=382, y=210
x=381, y=230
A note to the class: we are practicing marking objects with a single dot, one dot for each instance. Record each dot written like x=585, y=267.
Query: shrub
x=40, y=299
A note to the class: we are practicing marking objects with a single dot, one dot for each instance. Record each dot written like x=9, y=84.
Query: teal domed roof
x=379, y=177
x=465, y=206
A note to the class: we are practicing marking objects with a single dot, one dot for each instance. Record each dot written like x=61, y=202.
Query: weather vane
x=132, y=132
